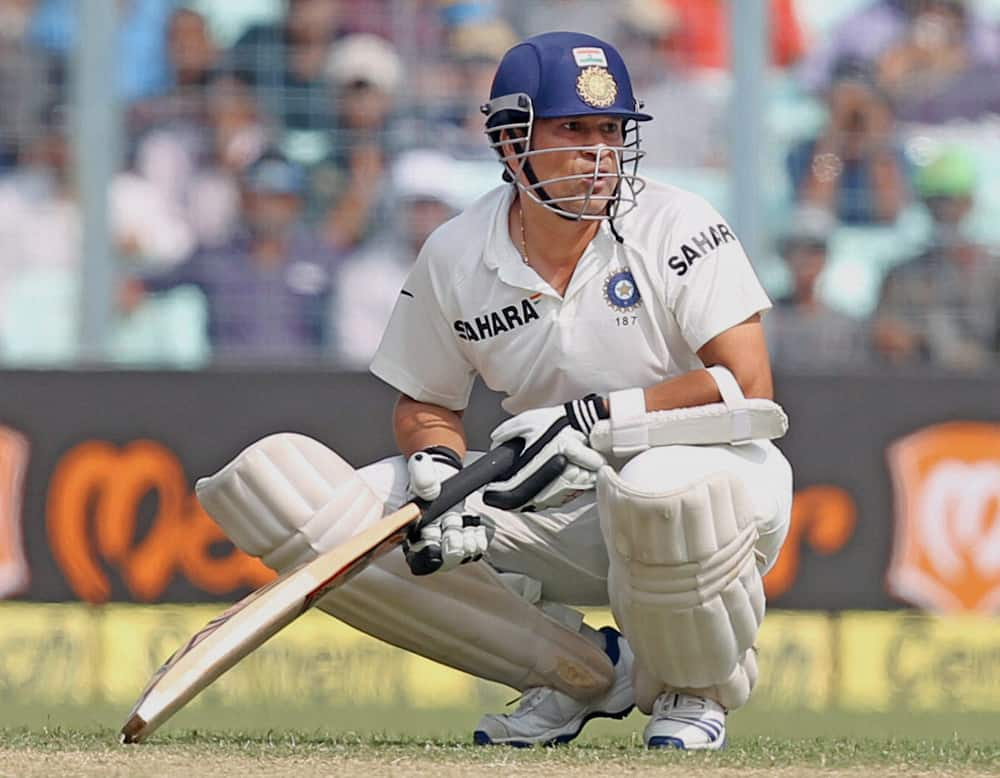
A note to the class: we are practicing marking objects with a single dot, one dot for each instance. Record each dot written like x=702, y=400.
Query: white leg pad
x=684, y=584
x=288, y=498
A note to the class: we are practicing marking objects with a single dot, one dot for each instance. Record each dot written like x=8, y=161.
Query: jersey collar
x=503, y=256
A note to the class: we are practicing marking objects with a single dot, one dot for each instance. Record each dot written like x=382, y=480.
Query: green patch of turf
x=743, y=752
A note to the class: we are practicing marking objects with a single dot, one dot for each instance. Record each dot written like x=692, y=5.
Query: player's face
x=587, y=134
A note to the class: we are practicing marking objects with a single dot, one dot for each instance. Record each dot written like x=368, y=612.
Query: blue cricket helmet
x=561, y=73
x=566, y=74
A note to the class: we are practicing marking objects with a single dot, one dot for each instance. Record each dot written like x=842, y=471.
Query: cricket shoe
x=687, y=722
x=548, y=717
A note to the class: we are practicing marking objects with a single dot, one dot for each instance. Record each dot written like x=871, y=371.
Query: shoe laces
x=528, y=700
x=679, y=703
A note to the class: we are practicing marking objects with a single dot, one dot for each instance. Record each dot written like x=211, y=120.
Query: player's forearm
x=419, y=425
x=685, y=391
x=699, y=388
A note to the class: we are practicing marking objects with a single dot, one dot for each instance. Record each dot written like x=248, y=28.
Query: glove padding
x=556, y=464
x=453, y=538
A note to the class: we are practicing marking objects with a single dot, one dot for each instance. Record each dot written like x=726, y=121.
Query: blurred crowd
x=283, y=162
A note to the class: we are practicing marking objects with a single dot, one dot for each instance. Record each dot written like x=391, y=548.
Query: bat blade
x=248, y=624
x=245, y=626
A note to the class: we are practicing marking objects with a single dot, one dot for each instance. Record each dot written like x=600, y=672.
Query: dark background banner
x=112, y=457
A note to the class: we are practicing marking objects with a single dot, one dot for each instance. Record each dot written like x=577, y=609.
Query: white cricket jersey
x=634, y=313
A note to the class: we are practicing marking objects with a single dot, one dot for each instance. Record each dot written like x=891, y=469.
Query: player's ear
x=513, y=143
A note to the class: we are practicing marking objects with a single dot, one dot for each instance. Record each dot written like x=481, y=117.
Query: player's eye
x=571, y=126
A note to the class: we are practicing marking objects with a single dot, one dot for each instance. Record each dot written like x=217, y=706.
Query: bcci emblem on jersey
x=621, y=292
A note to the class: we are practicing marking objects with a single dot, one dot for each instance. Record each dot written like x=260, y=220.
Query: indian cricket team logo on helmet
x=621, y=292
x=597, y=87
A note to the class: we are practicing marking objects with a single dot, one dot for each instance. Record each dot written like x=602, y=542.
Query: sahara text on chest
x=493, y=323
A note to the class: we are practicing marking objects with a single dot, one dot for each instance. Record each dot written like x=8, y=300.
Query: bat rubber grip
x=494, y=465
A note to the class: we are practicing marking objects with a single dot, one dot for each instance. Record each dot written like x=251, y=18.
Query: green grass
x=375, y=741
x=457, y=723
x=295, y=747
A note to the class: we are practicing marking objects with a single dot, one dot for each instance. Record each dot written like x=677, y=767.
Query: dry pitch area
x=75, y=753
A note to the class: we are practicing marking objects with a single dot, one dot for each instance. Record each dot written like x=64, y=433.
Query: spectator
x=855, y=167
x=141, y=46
x=39, y=214
x=474, y=51
x=196, y=166
x=423, y=198
x=285, y=63
x=941, y=306
x=193, y=58
x=596, y=17
x=366, y=74
x=268, y=289
x=662, y=85
x=932, y=76
x=700, y=38
x=21, y=63
x=803, y=333
x=870, y=31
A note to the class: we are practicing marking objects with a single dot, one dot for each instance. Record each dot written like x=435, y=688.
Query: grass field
x=382, y=742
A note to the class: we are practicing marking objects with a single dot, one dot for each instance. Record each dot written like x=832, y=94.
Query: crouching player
x=621, y=320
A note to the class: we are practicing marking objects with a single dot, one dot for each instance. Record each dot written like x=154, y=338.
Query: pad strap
x=629, y=432
x=732, y=396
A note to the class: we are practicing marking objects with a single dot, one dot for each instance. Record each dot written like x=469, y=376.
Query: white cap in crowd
x=425, y=174
x=365, y=58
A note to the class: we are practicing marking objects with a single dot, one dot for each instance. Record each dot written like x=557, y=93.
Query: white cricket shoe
x=549, y=717
x=687, y=722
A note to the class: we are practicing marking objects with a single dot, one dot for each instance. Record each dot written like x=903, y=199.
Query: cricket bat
x=233, y=634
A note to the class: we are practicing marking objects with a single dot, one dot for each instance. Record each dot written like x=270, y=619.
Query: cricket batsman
x=621, y=320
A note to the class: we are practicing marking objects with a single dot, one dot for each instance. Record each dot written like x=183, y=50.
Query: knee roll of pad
x=287, y=498
x=683, y=580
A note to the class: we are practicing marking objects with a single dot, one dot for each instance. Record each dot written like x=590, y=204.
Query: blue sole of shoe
x=665, y=741
x=481, y=738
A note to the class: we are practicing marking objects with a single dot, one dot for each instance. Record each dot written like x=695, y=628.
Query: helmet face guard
x=510, y=121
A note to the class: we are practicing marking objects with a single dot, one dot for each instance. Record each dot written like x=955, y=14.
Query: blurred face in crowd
x=937, y=24
x=271, y=215
x=948, y=210
x=15, y=16
x=587, y=131
x=422, y=216
x=313, y=20
x=859, y=114
x=47, y=159
x=364, y=106
x=806, y=259
x=239, y=135
x=192, y=52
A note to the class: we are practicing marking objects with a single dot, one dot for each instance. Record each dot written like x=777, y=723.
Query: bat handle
x=494, y=465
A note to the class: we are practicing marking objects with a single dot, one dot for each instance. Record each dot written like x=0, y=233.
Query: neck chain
x=524, y=242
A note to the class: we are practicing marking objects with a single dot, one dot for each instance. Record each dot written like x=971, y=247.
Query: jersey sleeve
x=711, y=285
x=419, y=353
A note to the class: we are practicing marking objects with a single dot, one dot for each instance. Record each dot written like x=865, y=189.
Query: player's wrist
x=584, y=413
x=443, y=455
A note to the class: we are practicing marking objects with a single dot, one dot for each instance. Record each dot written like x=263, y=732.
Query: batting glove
x=453, y=538
x=557, y=463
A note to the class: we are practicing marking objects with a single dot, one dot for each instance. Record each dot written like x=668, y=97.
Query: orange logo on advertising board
x=14, y=571
x=94, y=505
x=822, y=516
x=946, y=549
